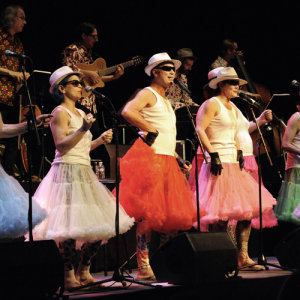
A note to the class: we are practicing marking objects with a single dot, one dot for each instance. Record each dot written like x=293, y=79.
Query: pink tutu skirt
x=154, y=189
x=268, y=217
x=233, y=195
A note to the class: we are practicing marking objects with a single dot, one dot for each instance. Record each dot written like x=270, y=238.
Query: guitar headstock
x=137, y=60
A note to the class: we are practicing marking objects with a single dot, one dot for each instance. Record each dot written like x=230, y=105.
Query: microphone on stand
x=182, y=86
x=14, y=54
x=295, y=83
x=248, y=99
x=87, y=88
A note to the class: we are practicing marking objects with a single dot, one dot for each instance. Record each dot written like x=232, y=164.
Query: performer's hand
x=184, y=165
x=215, y=164
x=240, y=159
x=119, y=72
x=43, y=120
x=151, y=137
x=88, y=121
x=106, y=136
x=266, y=116
x=18, y=76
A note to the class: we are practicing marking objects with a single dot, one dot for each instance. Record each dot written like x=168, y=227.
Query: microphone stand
x=261, y=259
x=31, y=127
x=118, y=273
x=184, y=88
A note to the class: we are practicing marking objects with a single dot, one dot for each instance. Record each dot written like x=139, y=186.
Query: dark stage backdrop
x=267, y=34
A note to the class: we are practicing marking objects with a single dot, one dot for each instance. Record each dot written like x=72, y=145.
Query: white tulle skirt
x=79, y=206
x=14, y=203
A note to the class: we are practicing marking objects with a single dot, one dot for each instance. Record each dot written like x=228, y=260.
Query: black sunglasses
x=232, y=82
x=166, y=68
x=75, y=82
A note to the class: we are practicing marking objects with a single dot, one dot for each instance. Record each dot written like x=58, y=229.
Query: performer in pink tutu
x=81, y=210
x=226, y=190
x=153, y=188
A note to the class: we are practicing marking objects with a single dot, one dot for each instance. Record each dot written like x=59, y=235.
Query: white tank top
x=293, y=160
x=162, y=117
x=245, y=140
x=221, y=132
x=80, y=153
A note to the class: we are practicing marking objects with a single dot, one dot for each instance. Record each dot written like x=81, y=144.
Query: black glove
x=215, y=164
x=240, y=159
x=181, y=162
x=150, y=137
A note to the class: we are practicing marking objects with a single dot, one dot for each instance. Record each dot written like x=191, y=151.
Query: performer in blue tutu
x=13, y=199
x=81, y=210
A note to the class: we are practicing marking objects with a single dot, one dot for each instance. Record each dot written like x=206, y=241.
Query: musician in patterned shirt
x=81, y=52
x=11, y=77
x=174, y=93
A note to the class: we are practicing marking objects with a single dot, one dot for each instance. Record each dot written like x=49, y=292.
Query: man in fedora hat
x=153, y=189
x=174, y=93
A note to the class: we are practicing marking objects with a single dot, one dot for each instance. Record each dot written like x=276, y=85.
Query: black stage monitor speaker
x=30, y=268
x=287, y=250
x=192, y=258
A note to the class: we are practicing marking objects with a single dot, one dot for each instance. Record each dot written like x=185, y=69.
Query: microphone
x=14, y=54
x=295, y=83
x=87, y=88
x=182, y=86
x=249, y=100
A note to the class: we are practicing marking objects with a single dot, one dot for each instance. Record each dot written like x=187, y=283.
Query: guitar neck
x=114, y=68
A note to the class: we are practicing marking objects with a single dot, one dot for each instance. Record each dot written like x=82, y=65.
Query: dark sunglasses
x=75, y=82
x=95, y=36
x=166, y=68
x=232, y=82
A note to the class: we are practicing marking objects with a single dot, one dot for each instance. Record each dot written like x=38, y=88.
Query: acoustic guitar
x=99, y=65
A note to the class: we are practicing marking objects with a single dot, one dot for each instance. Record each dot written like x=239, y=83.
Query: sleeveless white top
x=80, y=153
x=162, y=117
x=293, y=160
x=245, y=140
x=221, y=132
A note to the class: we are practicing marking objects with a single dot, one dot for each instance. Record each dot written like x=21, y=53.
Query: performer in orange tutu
x=153, y=188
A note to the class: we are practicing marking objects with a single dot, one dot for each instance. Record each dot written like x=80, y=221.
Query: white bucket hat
x=213, y=73
x=58, y=75
x=223, y=74
x=159, y=58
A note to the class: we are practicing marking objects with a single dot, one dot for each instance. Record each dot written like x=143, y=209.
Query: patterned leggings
x=67, y=250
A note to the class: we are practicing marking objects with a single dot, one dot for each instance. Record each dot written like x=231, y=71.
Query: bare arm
x=104, y=138
x=265, y=117
x=292, y=128
x=208, y=112
x=59, y=128
x=18, y=76
x=11, y=130
x=131, y=111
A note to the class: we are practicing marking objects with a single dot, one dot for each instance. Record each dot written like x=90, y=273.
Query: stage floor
x=266, y=284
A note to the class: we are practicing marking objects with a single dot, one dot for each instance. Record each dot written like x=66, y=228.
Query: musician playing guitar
x=80, y=52
x=12, y=23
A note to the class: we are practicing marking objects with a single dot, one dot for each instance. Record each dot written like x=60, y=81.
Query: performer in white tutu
x=81, y=210
x=14, y=201
x=226, y=190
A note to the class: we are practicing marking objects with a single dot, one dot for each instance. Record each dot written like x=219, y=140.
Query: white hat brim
x=149, y=68
x=214, y=82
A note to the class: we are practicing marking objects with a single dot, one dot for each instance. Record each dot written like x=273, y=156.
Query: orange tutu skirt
x=154, y=189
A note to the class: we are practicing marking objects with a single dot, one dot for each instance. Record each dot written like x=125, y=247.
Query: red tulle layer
x=154, y=189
